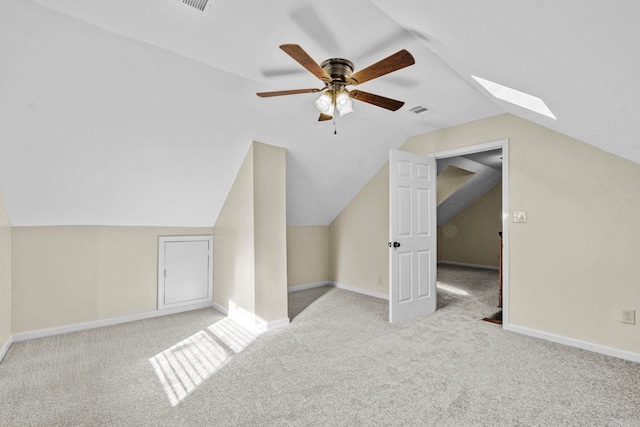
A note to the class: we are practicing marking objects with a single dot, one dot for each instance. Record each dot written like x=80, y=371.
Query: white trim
x=360, y=290
x=504, y=145
x=463, y=264
x=5, y=347
x=162, y=240
x=220, y=308
x=258, y=323
x=263, y=325
x=308, y=286
x=24, y=336
x=596, y=348
x=469, y=149
x=251, y=321
x=243, y=317
x=339, y=286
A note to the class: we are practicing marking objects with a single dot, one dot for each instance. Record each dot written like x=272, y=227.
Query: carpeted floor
x=339, y=363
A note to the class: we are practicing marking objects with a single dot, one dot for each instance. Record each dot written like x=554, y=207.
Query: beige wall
x=450, y=180
x=233, y=255
x=270, y=216
x=5, y=274
x=471, y=237
x=307, y=254
x=68, y=275
x=358, y=238
x=250, y=256
x=572, y=265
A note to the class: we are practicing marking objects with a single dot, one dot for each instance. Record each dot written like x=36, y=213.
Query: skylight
x=516, y=97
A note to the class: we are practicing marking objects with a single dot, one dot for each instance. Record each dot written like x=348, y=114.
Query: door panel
x=424, y=266
x=405, y=276
x=404, y=212
x=186, y=269
x=424, y=220
x=412, y=233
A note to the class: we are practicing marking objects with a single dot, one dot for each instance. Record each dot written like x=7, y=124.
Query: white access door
x=185, y=269
x=412, y=235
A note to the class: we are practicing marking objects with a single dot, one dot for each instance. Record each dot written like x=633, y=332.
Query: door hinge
x=165, y=273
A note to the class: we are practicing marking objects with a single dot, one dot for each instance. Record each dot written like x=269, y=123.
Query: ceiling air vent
x=198, y=4
x=418, y=109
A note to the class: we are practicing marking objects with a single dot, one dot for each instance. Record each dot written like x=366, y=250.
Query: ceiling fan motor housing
x=339, y=69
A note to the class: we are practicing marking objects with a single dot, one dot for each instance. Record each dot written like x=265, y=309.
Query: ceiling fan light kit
x=335, y=99
x=343, y=102
x=337, y=74
x=325, y=104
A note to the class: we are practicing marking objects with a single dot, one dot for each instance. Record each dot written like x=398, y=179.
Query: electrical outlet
x=629, y=317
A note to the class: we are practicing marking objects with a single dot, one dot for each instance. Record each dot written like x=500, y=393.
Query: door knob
x=395, y=244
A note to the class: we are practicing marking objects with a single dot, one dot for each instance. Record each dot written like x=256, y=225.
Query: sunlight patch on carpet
x=184, y=366
x=451, y=289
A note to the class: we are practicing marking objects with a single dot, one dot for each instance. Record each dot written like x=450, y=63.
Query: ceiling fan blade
x=287, y=92
x=303, y=58
x=388, y=65
x=377, y=100
x=324, y=117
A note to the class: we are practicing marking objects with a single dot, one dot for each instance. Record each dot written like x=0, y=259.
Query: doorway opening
x=472, y=193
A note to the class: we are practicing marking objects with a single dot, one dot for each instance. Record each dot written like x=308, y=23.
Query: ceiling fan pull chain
x=335, y=108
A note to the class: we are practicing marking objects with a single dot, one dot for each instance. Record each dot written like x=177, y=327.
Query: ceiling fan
x=337, y=74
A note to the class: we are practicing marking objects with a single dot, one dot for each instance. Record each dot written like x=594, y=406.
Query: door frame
x=470, y=149
x=161, y=268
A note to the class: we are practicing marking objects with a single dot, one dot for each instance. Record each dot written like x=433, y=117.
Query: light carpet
x=339, y=363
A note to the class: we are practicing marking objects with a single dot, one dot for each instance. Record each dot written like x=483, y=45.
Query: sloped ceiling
x=140, y=112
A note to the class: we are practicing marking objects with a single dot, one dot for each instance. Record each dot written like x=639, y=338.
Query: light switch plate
x=519, y=217
x=629, y=317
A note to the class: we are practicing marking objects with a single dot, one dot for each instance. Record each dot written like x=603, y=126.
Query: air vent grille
x=198, y=4
x=418, y=109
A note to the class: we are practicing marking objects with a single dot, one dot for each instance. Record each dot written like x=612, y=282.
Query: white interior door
x=412, y=235
x=184, y=271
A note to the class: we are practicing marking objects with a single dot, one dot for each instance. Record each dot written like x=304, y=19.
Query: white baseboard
x=5, y=347
x=339, y=286
x=360, y=290
x=250, y=321
x=462, y=264
x=24, y=336
x=274, y=324
x=596, y=348
x=220, y=308
x=308, y=286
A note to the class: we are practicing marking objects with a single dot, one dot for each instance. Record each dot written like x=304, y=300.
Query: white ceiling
x=140, y=112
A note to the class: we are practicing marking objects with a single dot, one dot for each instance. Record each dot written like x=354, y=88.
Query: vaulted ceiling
x=140, y=112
